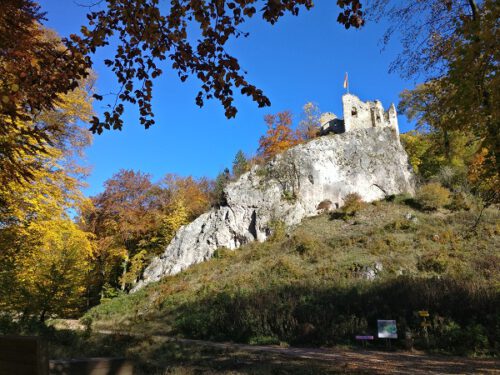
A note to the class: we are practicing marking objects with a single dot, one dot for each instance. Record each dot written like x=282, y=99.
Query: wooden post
x=23, y=355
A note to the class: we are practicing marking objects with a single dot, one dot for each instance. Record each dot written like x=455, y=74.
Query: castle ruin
x=359, y=115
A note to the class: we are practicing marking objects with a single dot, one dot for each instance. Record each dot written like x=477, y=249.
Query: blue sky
x=299, y=59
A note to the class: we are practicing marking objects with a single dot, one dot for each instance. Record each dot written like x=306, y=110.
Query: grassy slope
x=309, y=287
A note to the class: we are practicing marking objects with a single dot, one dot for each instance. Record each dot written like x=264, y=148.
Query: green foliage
x=108, y=292
x=222, y=253
x=471, y=339
x=289, y=196
x=264, y=340
x=218, y=195
x=432, y=196
x=459, y=106
x=304, y=244
x=240, y=164
x=277, y=229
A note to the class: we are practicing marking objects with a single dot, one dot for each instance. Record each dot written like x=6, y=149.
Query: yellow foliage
x=432, y=196
x=44, y=256
x=416, y=146
x=52, y=267
x=177, y=217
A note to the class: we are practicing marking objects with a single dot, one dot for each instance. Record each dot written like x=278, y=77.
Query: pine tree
x=240, y=164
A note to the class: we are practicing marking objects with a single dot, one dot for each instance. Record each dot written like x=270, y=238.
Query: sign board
x=364, y=337
x=387, y=329
x=423, y=313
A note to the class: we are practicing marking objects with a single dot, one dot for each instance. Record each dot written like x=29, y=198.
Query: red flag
x=346, y=82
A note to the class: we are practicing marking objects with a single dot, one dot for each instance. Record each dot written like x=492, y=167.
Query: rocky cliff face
x=370, y=162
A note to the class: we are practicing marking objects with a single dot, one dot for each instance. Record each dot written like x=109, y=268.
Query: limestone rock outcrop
x=370, y=162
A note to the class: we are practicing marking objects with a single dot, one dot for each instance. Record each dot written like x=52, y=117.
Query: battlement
x=359, y=115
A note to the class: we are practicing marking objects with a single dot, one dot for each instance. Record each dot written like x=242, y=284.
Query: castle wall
x=365, y=115
x=357, y=114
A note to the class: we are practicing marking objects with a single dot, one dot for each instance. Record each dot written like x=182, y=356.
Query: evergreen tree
x=240, y=164
x=219, y=197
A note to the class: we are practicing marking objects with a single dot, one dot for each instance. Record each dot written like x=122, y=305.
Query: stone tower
x=364, y=115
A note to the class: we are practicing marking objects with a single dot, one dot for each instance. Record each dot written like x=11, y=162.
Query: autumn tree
x=426, y=29
x=454, y=44
x=473, y=82
x=279, y=135
x=309, y=125
x=44, y=257
x=36, y=72
x=119, y=218
x=134, y=219
x=194, y=193
x=50, y=272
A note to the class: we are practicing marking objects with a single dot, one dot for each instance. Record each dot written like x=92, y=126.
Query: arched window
x=354, y=112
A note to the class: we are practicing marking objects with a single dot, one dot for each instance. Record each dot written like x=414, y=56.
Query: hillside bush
x=432, y=196
x=461, y=201
x=304, y=244
x=277, y=230
x=337, y=314
x=352, y=204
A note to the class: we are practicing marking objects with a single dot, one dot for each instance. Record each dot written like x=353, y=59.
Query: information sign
x=387, y=329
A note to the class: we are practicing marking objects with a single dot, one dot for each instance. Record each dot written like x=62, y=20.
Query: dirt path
x=370, y=361
x=358, y=360
x=377, y=362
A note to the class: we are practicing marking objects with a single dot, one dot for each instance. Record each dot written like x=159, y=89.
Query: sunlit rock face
x=301, y=182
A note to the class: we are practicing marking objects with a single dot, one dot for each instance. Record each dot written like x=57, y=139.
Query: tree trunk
x=42, y=316
x=447, y=146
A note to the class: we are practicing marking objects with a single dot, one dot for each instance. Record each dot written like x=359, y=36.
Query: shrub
x=264, y=340
x=432, y=263
x=352, y=204
x=304, y=244
x=289, y=196
x=223, y=252
x=461, y=201
x=399, y=198
x=277, y=229
x=433, y=196
x=452, y=177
